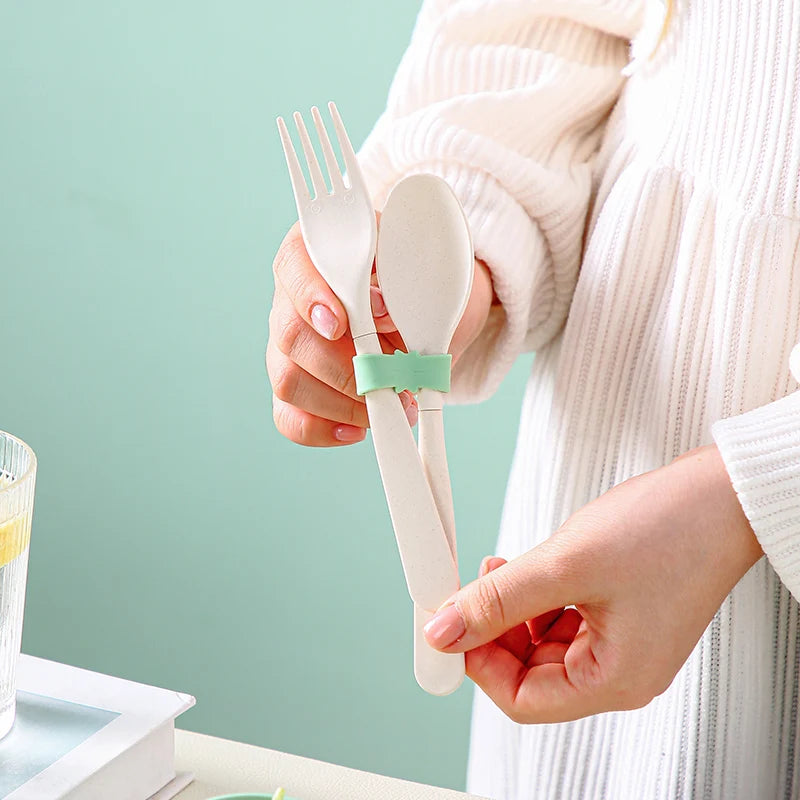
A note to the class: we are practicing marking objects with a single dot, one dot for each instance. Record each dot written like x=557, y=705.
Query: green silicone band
x=279, y=795
x=401, y=371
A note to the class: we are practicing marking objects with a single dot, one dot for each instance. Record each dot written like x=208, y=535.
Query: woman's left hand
x=646, y=566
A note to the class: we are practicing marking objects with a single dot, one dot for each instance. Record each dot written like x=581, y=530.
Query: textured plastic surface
x=424, y=262
x=339, y=230
x=401, y=371
x=425, y=266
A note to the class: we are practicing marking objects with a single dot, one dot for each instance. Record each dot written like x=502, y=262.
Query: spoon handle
x=436, y=672
x=433, y=452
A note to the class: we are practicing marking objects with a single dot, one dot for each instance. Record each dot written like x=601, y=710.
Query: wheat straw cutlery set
x=424, y=262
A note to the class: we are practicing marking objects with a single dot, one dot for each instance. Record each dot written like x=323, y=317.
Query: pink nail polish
x=323, y=320
x=445, y=628
x=348, y=433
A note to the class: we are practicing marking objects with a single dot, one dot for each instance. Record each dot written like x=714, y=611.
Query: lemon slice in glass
x=14, y=537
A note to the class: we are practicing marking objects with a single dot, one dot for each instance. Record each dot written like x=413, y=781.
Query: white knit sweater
x=643, y=235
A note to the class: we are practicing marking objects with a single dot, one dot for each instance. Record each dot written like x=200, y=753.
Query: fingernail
x=376, y=299
x=484, y=567
x=348, y=433
x=323, y=320
x=445, y=627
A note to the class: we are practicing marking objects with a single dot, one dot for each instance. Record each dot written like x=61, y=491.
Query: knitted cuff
x=761, y=451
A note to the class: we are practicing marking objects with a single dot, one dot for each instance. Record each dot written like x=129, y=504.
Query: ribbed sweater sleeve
x=761, y=451
x=506, y=100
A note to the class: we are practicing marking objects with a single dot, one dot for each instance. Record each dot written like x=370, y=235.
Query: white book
x=80, y=735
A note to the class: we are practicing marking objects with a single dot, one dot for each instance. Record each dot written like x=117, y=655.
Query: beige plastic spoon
x=425, y=264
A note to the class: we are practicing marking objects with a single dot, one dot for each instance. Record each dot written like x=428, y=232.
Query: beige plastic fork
x=339, y=231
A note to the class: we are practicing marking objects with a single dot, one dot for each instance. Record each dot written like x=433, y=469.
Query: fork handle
x=431, y=574
x=436, y=672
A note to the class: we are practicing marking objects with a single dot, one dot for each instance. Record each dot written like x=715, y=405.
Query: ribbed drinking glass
x=17, y=480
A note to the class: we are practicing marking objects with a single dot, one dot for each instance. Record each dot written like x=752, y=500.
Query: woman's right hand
x=310, y=350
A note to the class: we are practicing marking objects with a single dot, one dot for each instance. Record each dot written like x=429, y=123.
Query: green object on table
x=400, y=371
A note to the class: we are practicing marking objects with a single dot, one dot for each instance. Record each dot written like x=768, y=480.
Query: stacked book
x=80, y=735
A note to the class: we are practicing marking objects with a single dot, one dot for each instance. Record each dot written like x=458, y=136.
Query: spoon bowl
x=425, y=262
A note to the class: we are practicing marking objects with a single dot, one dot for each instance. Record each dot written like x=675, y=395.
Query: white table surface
x=221, y=766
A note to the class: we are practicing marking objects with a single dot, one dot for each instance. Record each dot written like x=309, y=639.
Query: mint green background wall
x=179, y=539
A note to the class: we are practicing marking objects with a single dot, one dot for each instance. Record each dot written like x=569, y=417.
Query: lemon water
x=14, y=539
x=12, y=599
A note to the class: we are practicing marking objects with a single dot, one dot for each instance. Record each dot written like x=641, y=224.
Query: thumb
x=383, y=322
x=485, y=609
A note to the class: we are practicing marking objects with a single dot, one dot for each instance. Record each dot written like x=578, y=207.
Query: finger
x=475, y=314
x=565, y=628
x=495, y=670
x=536, y=628
x=383, y=322
x=392, y=341
x=540, y=693
x=329, y=362
x=314, y=300
x=518, y=640
x=293, y=385
x=386, y=325
x=303, y=428
x=297, y=387
x=379, y=312
x=541, y=624
x=538, y=581
x=490, y=563
x=547, y=653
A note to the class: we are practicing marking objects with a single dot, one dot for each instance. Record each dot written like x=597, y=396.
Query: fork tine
x=299, y=185
x=330, y=159
x=349, y=156
x=317, y=181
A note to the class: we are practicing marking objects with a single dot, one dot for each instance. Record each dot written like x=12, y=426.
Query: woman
x=638, y=226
